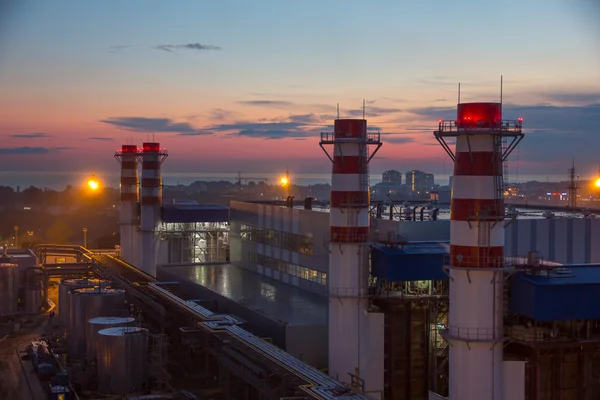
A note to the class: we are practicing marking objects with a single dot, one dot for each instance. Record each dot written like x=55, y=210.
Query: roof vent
x=533, y=259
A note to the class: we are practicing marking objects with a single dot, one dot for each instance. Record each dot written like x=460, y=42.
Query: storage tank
x=66, y=285
x=97, y=324
x=85, y=304
x=33, y=298
x=8, y=289
x=122, y=360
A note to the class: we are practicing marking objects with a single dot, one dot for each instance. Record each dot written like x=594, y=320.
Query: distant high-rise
x=419, y=181
x=392, y=177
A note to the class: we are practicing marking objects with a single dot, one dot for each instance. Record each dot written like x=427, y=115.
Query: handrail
x=508, y=126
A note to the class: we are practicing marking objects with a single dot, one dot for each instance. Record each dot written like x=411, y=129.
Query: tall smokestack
x=151, y=200
x=475, y=329
x=355, y=334
x=128, y=211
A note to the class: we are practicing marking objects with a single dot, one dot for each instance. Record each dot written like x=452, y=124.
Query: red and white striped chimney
x=355, y=335
x=151, y=200
x=475, y=328
x=128, y=208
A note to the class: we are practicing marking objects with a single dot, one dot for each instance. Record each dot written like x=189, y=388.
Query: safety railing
x=348, y=292
x=349, y=238
x=507, y=126
x=473, y=334
x=482, y=261
x=370, y=137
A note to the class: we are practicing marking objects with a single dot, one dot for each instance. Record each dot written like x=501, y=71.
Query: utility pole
x=16, y=236
x=572, y=188
x=85, y=238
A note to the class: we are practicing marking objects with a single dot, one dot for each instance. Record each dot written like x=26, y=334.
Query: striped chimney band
x=151, y=175
x=129, y=173
x=349, y=199
x=477, y=209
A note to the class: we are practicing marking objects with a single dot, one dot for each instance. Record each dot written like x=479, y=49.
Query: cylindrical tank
x=95, y=325
x=8, y=291
x=85, y=304
x=122, y=360
x=66, y=285
x=33, y=298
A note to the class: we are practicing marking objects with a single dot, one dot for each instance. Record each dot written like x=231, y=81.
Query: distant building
x=419, y=181
x=392, y=177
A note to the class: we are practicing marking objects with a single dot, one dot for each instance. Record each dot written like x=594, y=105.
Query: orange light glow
x=597, y=183
x=93, y=184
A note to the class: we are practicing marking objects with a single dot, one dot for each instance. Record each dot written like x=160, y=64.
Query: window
x=291, y=269
x=283, y=240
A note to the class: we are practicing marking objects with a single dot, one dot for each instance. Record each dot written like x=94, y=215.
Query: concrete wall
x=308, y=343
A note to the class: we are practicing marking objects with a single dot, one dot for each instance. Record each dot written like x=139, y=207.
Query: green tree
x=59, y=233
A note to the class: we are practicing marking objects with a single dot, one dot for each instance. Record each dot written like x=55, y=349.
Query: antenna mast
x=364, y=105
x=504, y=141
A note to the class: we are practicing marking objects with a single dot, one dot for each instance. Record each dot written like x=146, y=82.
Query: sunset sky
x=249, y=85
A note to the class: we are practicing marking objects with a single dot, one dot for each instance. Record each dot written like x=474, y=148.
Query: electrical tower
x=572, y=188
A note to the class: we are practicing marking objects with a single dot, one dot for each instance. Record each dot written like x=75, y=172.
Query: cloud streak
x=33, y=135
x=154, y=125
x=170, y=48
x=30, y=150
x=266, y=103
x=101, y=139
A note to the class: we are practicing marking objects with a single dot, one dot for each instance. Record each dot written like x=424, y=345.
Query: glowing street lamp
x=93, y=184
x=285, y=183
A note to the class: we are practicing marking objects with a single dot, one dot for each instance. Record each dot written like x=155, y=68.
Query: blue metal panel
x=187, y=213
x=411, y=262
x=571, y=294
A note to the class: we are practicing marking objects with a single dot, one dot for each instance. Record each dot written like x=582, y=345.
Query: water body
x=59, y=180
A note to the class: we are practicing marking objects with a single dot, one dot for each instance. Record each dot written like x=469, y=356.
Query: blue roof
x=569, y=293
x=193, y=212
x=413, y=261
x=580, y=274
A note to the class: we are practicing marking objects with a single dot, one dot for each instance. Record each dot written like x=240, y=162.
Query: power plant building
x=474, y=307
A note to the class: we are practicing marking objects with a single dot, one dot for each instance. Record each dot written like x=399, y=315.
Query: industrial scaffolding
x=416, y=313
x=196, y=242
